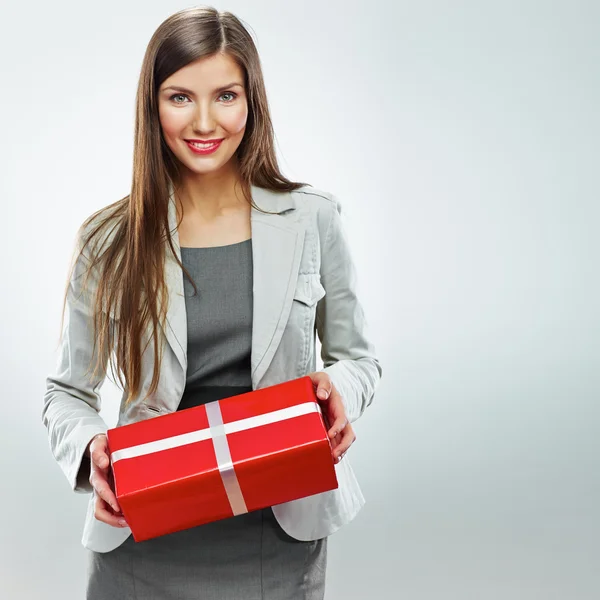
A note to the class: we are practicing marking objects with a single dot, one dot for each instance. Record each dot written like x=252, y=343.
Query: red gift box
x=221, y=459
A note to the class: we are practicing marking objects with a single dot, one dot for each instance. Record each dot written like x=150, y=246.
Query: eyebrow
x=186, y=91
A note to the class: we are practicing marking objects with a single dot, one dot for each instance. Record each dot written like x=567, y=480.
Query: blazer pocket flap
x=309, y=288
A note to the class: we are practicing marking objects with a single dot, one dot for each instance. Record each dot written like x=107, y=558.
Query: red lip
x=206, y=141
x=204, y=151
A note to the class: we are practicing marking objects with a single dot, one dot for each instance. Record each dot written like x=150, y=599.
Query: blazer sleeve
x=348, y=355
x=72, y=402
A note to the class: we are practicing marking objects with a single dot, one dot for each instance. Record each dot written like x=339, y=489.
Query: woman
x=266, y=264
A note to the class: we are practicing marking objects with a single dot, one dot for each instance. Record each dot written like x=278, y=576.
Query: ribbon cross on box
x=221, y=459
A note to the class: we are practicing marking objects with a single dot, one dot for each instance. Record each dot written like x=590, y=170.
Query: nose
x=204, y=121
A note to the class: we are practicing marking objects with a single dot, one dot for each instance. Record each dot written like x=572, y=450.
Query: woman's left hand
x=340, y=431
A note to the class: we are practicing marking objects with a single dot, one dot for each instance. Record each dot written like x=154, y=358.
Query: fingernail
x=122, y=522
x=322, y=393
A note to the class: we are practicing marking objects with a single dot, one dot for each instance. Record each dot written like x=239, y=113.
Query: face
x=205, y=100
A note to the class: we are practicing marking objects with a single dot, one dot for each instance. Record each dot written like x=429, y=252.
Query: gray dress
x=246, y=557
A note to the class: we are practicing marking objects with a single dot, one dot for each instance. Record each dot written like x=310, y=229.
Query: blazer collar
x=277, y=244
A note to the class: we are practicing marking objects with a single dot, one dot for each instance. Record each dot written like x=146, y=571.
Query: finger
x=98, y=442
x=348, y=438
x=335, y=442
x=336, y=413
x=323, y=392
x=104, y=491
x=102, y=513
x=100, y=457
x=322, y=384
x=338, y=426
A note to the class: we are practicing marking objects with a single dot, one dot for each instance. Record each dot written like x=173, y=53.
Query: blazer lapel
x=277, y=244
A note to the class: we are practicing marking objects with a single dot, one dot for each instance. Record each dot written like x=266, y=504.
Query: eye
x=229, y=94
x=233, y=94
x=176, y=96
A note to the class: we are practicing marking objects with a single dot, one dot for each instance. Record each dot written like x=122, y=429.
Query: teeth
x=197, y=145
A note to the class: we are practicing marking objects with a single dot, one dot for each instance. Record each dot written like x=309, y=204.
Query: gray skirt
x=246, y=557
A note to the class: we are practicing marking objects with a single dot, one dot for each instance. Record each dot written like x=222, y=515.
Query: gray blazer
x=304, y=279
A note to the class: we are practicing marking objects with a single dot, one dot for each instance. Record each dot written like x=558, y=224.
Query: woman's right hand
x=106, y=508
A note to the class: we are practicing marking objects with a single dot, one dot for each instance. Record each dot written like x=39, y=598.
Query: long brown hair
x=129, y=268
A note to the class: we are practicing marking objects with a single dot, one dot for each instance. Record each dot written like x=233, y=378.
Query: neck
x=210, y=195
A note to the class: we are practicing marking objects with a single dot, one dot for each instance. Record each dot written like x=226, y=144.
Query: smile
x=203, y=148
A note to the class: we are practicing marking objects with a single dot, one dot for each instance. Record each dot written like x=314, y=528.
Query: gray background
x=462, y=139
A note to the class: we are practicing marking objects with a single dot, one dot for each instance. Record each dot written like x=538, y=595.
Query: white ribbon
x=218, y=431
x=226, y=468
